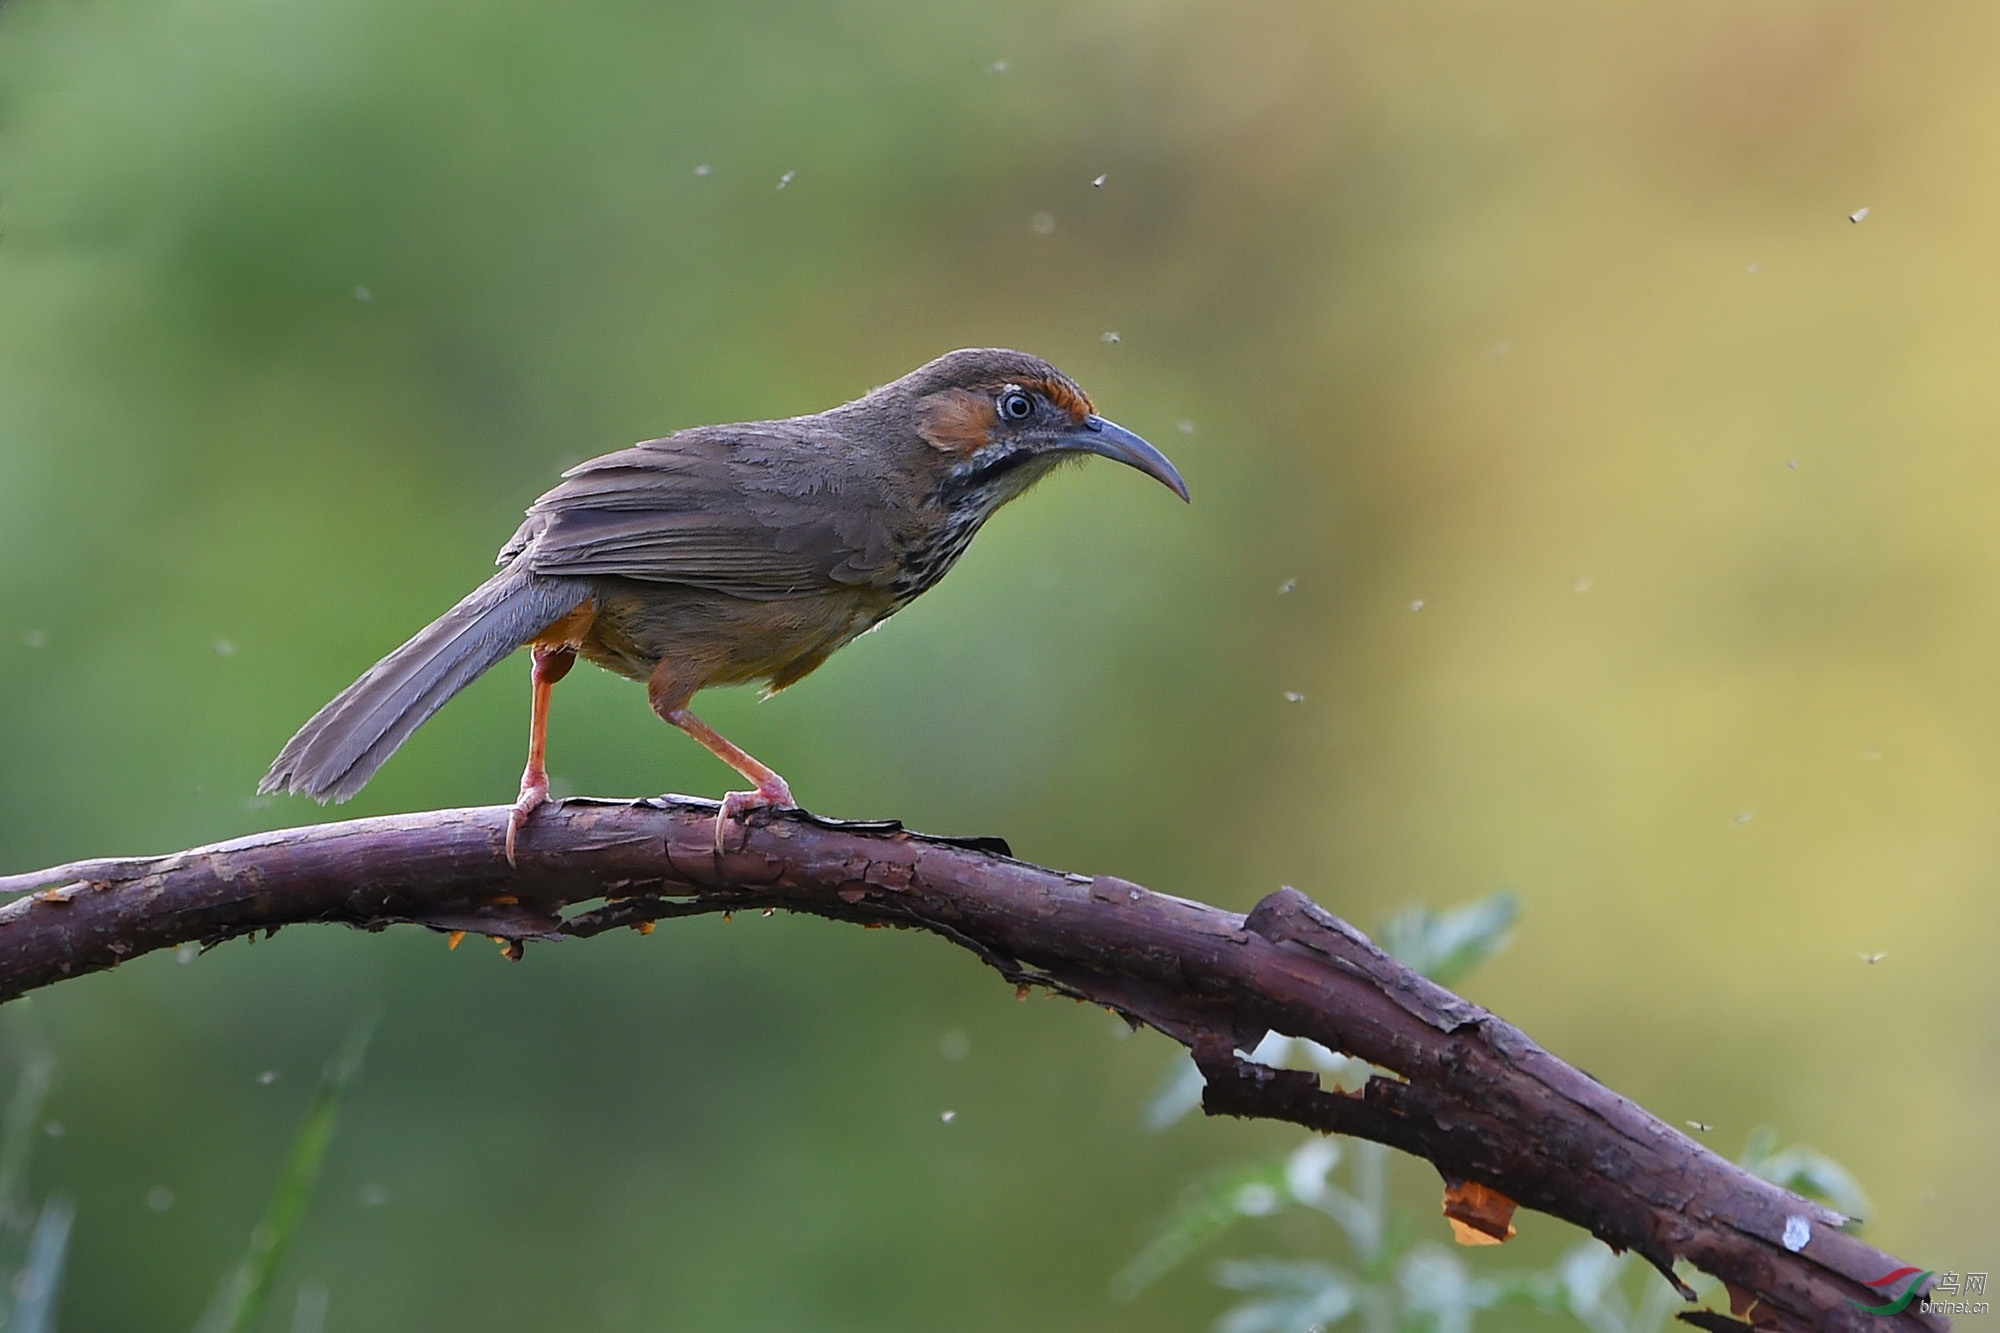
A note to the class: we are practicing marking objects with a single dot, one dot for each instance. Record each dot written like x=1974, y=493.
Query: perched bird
x=724, y=555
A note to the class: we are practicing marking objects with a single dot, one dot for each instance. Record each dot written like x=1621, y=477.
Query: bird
x=727, y=555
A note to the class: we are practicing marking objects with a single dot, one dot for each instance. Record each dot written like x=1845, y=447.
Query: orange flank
x=571, y=630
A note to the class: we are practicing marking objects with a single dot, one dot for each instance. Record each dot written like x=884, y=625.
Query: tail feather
x=335, y=753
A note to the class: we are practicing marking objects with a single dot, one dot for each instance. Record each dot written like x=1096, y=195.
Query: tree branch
x=1470, y=1093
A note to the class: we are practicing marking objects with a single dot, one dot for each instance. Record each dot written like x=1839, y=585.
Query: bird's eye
x=1016, y=406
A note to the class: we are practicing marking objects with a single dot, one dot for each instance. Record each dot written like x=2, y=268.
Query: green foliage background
x=1523, y=312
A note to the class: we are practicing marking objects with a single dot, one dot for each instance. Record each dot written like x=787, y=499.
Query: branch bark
x=1469, y=1092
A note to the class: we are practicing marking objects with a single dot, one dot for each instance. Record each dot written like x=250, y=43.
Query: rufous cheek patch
x=958, y=421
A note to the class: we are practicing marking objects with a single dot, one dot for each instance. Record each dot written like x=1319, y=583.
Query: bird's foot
x=771, y=794
x=534, y=795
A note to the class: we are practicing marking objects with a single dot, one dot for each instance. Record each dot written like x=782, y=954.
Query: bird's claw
x=533, y=796
x=770, y=795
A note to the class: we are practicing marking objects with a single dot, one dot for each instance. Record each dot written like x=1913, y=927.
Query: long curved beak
x=1108, y=439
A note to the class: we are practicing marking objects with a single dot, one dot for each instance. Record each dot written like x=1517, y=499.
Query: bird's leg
x=669, y=689
x=771, y=792
x=551, y=665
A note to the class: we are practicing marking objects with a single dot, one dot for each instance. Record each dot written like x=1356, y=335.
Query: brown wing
x=757, y=511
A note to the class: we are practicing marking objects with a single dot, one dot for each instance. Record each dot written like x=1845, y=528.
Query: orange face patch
x=958, y=421
x=1064, y=395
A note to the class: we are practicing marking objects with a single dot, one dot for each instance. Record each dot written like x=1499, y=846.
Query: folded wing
x=742, y=510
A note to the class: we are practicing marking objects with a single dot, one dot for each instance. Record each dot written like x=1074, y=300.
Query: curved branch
x=1470, y=1093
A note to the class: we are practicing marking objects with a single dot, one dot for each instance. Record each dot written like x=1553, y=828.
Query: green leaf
x=39, y=1285
x=17, y=1143
x=1178, y=1095
x=1299, y=1296
x=1591, y=1282
x=1207, y=1209
x=1805, y=1171
x=1444, y=946
x=1590, y=1275
x=1436, y=1282
x=246, y=1287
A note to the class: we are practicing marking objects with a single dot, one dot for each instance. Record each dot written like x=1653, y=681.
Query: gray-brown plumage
x=728, y=554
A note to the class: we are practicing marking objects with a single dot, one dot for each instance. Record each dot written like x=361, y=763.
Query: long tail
x=336, y=753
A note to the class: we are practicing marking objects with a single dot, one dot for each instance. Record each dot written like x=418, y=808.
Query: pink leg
x=771, y=792
x=551, y=665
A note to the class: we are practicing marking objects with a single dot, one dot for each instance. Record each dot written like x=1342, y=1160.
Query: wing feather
x=753, y=511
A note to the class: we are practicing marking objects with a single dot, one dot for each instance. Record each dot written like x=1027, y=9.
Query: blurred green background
x=1640, y=507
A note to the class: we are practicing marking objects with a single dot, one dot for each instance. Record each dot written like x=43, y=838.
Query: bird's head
x=1001, y=420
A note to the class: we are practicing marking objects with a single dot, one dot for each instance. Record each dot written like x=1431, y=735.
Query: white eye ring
x=1016, y=405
